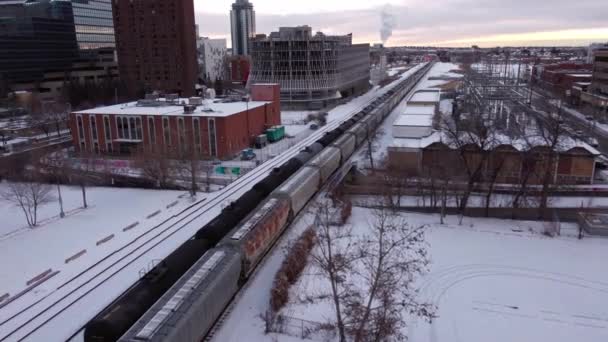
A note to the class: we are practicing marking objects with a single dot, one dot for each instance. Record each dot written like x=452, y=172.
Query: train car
x=360, y=132
x=346, y=143
x=254, y=236
x=188, y=310
x=246, y=203
x=111, y=323
x=300, y=188
x=314, y=149
x=327, y=162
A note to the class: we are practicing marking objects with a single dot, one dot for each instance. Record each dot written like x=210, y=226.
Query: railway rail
x=26, y=320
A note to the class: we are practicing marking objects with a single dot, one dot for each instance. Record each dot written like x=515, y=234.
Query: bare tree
x=55, y=166
x=333, y=257
x=29, y=196
x=81, y=175
x=372, y=275
x=188, y=166
x=392, y=257
x=474, y=138
x=372, y=145
x=155, y=165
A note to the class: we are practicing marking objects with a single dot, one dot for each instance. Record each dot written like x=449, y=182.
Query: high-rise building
x=242, y=19
x=313, y=71
x=44, y=43
x=212, y=58
x=35, y=37
x=156, y=45
x=94, y=28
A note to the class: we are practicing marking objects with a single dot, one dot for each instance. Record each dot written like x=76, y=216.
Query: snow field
x=94, y=296
x=30, y=251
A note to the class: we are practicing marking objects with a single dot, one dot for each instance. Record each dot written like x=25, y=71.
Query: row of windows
x=93, y=5
x=99, y=38
x=93, y=21
x=130, y=128
x=95, y=29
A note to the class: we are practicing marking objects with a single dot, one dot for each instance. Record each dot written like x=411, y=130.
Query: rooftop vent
x=189, y=109
x=196, y=101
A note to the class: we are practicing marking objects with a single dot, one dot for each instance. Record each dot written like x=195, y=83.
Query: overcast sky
x=426, y=22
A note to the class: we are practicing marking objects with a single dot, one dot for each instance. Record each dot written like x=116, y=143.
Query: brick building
x=216, y=129
x=575, y=162
x=156, y=45
x=560, y=78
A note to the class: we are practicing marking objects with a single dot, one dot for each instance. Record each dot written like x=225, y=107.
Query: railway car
x=300, y=188
x=188, y=310
x=111, y=323
x=360, y=132
x=346, y=143
x=254, y=236
x=327, y=162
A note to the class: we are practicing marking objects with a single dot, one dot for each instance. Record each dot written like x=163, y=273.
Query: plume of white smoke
x=387, y=23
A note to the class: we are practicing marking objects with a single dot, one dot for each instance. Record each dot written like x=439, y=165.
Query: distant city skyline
x=486, y=23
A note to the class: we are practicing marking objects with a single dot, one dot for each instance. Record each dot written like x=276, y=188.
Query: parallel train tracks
x=28, y=320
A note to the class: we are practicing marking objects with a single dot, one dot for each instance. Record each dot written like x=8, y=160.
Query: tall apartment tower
x=242, y=19
x=156, y=45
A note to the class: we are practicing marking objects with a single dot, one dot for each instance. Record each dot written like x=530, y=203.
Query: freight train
x=182, y=297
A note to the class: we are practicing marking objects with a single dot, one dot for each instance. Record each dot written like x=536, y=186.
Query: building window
x=138, y=129
x=182, y=134
x=107, y=133
x=133, y=130
x=197, y=136
x=167, y=132
x=81, y=132
x=151, y=131
x=93, y=121
x=212, y=138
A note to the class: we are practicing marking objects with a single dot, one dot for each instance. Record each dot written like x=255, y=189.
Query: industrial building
x=207, y=129
x=313, y=70
x=242, y=21
x=597, y=94
x=561, y=77
x=156, y=45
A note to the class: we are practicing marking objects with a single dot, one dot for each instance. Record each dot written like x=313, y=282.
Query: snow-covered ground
x=30, y=251
x=385, y=131
x=492, y=280
x=120, y=260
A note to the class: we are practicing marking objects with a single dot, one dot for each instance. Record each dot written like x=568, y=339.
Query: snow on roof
x=417, y=143
x=565, y=144
x=414, y=120
x=426, y=96
x=419, y=110
x=580, y=75
x=210, y=109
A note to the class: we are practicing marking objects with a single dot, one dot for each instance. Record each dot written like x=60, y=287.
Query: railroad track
x=331, y=182
x=28, y=320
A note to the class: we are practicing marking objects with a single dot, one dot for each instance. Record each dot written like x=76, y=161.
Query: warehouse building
x=574, y=164
x=313, y=70
x=216, y=129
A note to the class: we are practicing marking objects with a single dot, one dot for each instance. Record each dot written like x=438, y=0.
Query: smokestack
x=387, y=23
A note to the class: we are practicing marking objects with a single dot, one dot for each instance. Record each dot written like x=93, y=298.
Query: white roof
x=215, y=109
x=419, y=110
x=580, y=75
x=417, y=143
x=414, y=120
x=426, y=96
